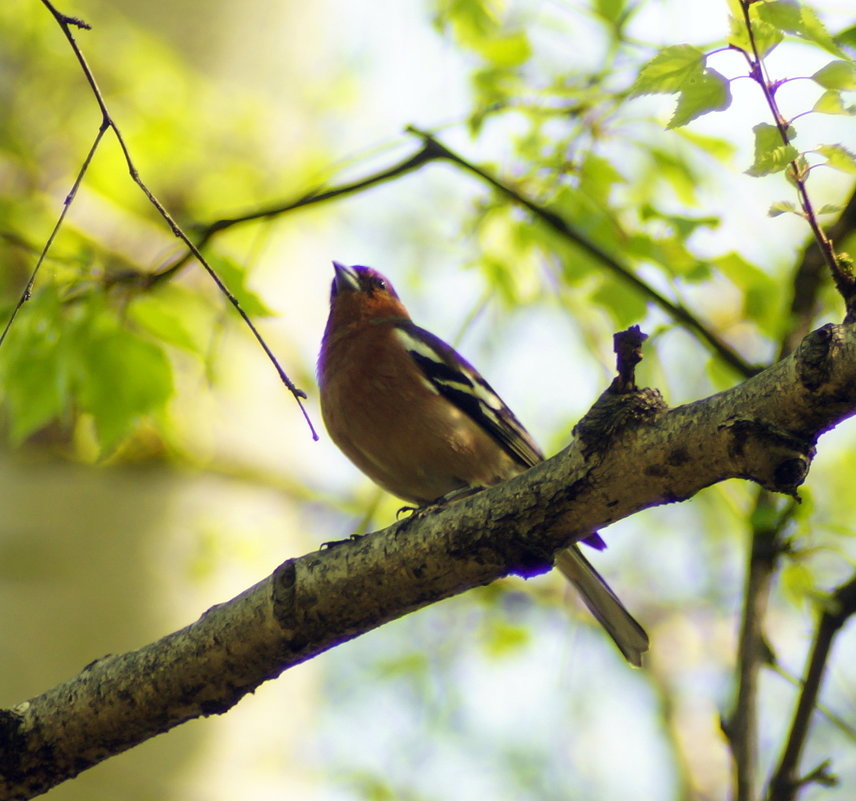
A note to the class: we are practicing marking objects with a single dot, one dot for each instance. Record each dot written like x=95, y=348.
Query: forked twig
x=786, y=782
x=25, y=295
x=66, y=23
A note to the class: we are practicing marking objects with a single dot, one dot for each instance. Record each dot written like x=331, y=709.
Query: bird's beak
x=346, y=279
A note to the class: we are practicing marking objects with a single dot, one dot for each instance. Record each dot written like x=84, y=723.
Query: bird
x=421, y=422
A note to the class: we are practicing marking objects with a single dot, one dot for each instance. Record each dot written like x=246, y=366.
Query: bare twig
x=826, y=712
x=66, y=23
x=208, y=231
x=434, y=150
x=786, y=782
x=25, y=295
x=676, y=311
x=627, y=346
x=414, y=162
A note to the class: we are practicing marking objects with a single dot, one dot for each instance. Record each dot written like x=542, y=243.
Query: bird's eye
x=379, y=283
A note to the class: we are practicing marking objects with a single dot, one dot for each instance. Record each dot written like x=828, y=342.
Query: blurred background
x=153, y=465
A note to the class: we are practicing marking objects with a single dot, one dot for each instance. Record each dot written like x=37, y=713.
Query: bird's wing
x=453, y=377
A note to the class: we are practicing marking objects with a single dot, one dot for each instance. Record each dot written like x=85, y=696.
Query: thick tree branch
x=628, y=453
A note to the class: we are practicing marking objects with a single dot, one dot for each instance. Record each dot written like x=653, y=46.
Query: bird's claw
x=333, y=543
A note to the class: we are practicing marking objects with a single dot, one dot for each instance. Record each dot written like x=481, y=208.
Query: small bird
x=419, y=420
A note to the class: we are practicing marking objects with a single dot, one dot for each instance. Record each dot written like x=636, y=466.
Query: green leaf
x=32, y=374
x=121, y=378
x=669, y=167
x=36, y=396
x=765, y=35
x=611, y=10
x=624, y=302
x=667, y=72
x=682, y=225
x=760, y=291
x=797, y=170
x=838, y=157
x=721, y=375
x=469, y=17
x=598, y=176
x=712, y=145
x=836, y=75
x=847, y=37
x=771, y=154
x=798, y=582
x=503, y=639
x=510, y=50
x=783, y=207
x=831, y=102
x=681, y=69
x=668, y=253
x=493, y=88
x=830, y=208
x=799, y=19
x=234, y=276
x=478, y=25
x=173, y=314
x=707, y=92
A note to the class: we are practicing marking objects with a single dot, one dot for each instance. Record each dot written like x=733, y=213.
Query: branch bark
x=630, y=452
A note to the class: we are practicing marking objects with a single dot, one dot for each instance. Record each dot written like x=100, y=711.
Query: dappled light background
x=509, y=692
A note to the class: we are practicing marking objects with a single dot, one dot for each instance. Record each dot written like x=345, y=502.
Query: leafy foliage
x=800, y=19
x=771, y=154
x=682, y=70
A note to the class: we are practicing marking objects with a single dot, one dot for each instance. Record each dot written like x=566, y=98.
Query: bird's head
x=360, y=293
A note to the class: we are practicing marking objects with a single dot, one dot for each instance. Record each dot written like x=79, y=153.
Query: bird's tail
x=604, y=604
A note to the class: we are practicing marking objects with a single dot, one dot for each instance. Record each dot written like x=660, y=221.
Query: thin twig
x=209, y=230
x=426, y=154
x=28, y=289
x=786, y=782
x=66, y=23
x=824, y=710
x=676, y=311
x=433, y=150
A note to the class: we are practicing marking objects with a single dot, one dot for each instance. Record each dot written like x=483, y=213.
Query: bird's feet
x=334, y=543
x=450, y=497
